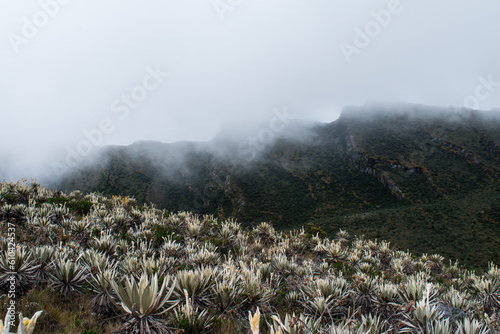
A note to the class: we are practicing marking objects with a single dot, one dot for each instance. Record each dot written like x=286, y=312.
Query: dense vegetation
x=95, y=264
x=426, y=179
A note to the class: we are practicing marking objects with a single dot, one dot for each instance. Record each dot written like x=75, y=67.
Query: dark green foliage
x=191, y=328
x=57, y=200
x=9, y=198
x=159, y=232
x=91, y=331
x=313, y=230
x=459, y=229
x=425, y=178
x=80, y=207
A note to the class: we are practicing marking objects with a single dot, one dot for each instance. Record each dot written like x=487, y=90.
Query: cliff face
x=370, y=161
x=450, y=151
x=368, y=165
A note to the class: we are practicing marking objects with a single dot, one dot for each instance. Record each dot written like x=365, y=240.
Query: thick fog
x=77, y=75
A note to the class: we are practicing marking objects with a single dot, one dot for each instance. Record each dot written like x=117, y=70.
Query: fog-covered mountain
x=425, y=178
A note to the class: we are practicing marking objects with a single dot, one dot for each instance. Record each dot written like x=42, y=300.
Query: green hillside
x=77, y=263
x=426, y=179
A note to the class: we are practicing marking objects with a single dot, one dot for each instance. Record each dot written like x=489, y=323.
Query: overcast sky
x=177, y=70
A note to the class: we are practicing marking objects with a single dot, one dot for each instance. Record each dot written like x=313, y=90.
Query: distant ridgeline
x=427, y=179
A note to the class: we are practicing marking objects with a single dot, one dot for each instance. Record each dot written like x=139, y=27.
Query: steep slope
x=289, y=182
x=425, y=178
x=415, y=152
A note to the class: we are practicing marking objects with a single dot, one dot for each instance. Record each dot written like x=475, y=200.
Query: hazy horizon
x=80, y=75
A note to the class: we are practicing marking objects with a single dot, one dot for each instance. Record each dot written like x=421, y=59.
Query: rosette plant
x=143, y=301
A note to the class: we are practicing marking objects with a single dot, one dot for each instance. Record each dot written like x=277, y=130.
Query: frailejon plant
x=102, y=303
x=190, y=319
x=17, y=271
x=108, y=261
x=26, y=325
x=143, y=301
x=68, y=277
x=44, y=257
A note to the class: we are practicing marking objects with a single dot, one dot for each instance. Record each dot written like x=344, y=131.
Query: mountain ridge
x=384, y=161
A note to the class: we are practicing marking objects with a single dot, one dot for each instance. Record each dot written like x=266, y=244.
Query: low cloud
x=65, y=64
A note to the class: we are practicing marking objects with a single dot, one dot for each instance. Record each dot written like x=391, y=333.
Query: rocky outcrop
x=368, y=165
x=456, y=149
